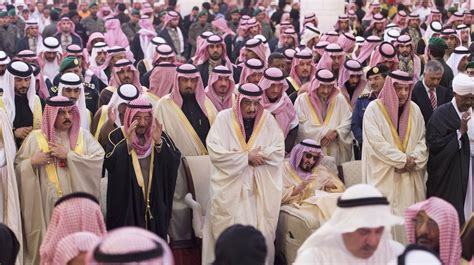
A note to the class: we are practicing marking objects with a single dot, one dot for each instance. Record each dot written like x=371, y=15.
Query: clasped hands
x=410, y=165
x=56, y=151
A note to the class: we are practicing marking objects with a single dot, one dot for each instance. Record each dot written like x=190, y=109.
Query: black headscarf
x=240, y=244
x=9, y=246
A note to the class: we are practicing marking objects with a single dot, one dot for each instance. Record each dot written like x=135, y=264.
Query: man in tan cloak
x=246, y=148
x=394, y=154
x=58, y=159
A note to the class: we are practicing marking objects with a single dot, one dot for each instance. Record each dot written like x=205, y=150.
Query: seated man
x=434, y=224
x=357, y=233
x=304, y=174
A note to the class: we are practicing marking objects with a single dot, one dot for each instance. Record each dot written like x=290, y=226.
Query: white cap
x=463, y=85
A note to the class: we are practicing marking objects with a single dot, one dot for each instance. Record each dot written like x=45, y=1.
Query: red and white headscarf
x=326, y=61
x=368, y=47
x=320, y=47
x=102, y=10
x=50, y=113
x=74, y=244
x=114, y=35
x=130, y=245
x=283, y=26
x=226, y=102
x=170, y=15
x=139, y=105
x=73, y=27
x=221, y=24
x=388, y=97
x=146, y=33
x=323, y=76
x=200, y=40
x=189, y=71
x=300, y=56
x=446, y=217
x=385, y=52
x=456, y=17
x=94, y=36
x=330, y=36
x=398, y=19
x=250, y=67
x=310, y=17
x=252, y=92
x=203, y=55
x=406, y=40
x=347, y=42
x=352, y=67
x=305, y=146
x=119, y=65
x=290, y=32
x=378, y=18
x=341, y=18
x=72, y=213
x=435, y=15
x=160, y=82
x=255, y=45
x=370, y=14
x=282, y=109
x=252, y=22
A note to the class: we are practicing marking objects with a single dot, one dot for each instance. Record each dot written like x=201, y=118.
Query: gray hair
x=433, y=66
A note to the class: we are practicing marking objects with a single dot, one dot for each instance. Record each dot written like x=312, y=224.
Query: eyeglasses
x=311, y=156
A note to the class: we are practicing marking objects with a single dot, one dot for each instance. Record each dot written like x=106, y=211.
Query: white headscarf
x=150, y=50
x=124, y=94
x=73, y=80
x=456, y=57
x=98, y=47
x=9, y=91
x=50, y=69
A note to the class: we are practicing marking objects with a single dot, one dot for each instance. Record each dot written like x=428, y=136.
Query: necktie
x=433, y=99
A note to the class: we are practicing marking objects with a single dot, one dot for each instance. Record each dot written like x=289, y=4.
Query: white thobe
x=338, y=118
x=240, y=193
x=383, y=152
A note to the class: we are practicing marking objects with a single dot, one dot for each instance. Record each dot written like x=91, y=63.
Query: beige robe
x=291, y=180
x=188, y=142
x=338, y=117
x=383, y=152
x=38, y=194
x=240, y=193
x=9, y=200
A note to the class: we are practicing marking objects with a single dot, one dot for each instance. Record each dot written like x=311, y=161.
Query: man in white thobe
x=357, y=233
x=394, y=154
x=325, y=116
x=246, y=148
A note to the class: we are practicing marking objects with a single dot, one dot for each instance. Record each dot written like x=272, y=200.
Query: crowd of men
x=100, y=102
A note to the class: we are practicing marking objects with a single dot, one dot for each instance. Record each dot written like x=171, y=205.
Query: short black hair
x=195, y=8
x=436, y=52
x=121, y=7
x=54, y=16
x=206, y=5
x=275, y=56
x=72, y=6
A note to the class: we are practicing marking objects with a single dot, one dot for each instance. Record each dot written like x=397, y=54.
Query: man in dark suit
x=428, y=94
x=172, y=34
x=31, y=39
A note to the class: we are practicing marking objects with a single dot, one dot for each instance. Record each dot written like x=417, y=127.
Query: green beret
x=438, y=43
x=470, y=65
x=93, y=3
x=68, y=63
x=135, y=12
x=452, y=9
x=56, y=10
x=257, y=11
x=235, y=10
x=162, y=13
x=378, y=69
x=12, y=12
x=202, y=13
x=3, y=14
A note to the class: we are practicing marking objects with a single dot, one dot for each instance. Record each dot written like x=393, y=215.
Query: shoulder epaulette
x=365, y=95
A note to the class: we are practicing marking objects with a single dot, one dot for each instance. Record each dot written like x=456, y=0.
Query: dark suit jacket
x=75, y=39
x=166, y=36
x=422, y=99
x=22, y=44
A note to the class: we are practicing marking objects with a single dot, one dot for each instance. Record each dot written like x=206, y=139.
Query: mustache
x=67, y=121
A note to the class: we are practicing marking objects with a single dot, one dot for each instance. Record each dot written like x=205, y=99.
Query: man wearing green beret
x=234, y=19
x=259, y=15
x=8, y=35
x=93, y=23
x=15, y=20
x=91, y=82
x=470, y=69
x=197, y=28
x=131, y=28
x=436, y=50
